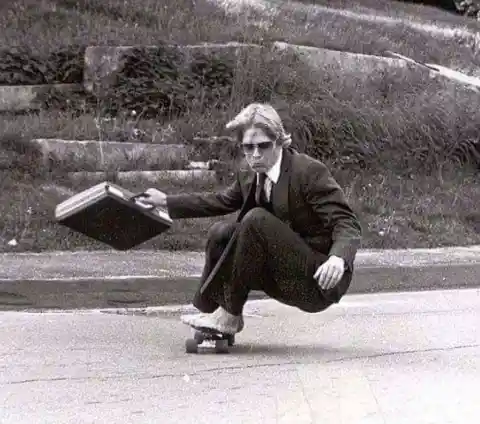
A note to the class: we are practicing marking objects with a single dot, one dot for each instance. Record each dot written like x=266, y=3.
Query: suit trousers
x=267, y=256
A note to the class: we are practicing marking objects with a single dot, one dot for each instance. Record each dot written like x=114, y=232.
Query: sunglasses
x=250, y=147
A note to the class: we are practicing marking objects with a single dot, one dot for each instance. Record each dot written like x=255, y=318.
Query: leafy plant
x=162, y=82
x=469, y=7
x=22, y=66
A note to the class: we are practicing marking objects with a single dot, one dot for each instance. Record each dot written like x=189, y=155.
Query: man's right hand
x=153, y=197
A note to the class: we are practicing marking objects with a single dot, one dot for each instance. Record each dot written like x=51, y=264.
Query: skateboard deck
x=207, y=337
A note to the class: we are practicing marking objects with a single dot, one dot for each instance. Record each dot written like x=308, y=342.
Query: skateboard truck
x=201, y=335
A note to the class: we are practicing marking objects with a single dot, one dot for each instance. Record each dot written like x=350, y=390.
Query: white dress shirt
x=273, y=174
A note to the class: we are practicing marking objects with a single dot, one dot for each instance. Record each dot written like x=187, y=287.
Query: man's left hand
x=330, y=272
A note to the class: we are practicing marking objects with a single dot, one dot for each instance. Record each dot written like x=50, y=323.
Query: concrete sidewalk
x=146, y=278
x=391, y=358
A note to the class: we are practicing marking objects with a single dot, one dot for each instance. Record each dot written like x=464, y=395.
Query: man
x=295, y=237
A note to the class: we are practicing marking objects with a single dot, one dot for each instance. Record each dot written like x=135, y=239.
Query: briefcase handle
x=142, y=194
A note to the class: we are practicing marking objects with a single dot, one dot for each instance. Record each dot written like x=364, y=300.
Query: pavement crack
x=294, y=363
x=241, y=367
x=41, y=380
x=405, y=352
x=44, y=380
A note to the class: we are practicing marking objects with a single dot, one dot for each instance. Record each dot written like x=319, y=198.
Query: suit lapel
x=249, y=203
x=280, y=191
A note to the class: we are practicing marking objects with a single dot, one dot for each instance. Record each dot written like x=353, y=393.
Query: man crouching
x=295, y=237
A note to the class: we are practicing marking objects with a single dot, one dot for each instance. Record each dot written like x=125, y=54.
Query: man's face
x=260, y=151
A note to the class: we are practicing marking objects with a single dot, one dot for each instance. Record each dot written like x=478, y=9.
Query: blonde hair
x=264, y=116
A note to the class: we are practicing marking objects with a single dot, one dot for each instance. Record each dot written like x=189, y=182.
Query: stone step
x=362, y=66
x=24, y=98
x=103, y=63
x=154, y=177
x=95, y=155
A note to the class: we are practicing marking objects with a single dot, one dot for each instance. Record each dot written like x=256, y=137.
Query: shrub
x=22, y=66
x=159, y=82
x=76, y=101
x=469, y=7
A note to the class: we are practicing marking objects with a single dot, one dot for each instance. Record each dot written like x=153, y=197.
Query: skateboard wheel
x=231, y=340
x=221, y=346
x=191, y=346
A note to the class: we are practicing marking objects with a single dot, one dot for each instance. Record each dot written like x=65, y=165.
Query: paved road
x=386, y=358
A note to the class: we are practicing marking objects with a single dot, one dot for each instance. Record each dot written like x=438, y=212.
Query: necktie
x=260, y=196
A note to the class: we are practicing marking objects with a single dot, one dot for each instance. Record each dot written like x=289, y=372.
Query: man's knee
x=220, y=232
x=256, y=217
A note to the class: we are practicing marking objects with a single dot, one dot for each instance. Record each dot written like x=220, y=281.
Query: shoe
x=231, y=326
x=191, y=318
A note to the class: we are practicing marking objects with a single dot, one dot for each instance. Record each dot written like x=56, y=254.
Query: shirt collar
x=274, y=172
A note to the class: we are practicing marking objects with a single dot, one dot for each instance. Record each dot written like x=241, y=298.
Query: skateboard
x=220, y=341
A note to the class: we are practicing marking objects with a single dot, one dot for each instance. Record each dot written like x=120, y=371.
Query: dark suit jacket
x=306, y=197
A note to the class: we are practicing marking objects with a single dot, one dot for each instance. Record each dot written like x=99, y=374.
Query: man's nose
x=256, y=152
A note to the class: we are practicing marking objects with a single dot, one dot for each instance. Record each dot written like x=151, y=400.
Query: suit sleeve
x=200, y=205
x=328, y=201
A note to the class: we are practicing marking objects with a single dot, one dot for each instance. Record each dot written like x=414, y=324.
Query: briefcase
x=112, y=215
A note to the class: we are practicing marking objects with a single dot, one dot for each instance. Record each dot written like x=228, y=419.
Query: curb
x=147, y=291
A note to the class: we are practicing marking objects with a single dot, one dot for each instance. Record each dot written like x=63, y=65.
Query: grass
x=334, y=30
x=396, y=211
x=412, y=10
x=68, y=125
x=396, y=141
x=435, y=211
x=29, y=217
x=48, y=24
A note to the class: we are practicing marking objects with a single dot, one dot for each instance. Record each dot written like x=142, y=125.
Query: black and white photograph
x=239, y=211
